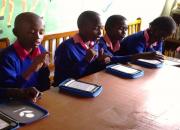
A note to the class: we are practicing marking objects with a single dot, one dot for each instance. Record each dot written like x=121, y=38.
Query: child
x=116, y=28
x=78, y=56
x=23, y=68
x=151, y=39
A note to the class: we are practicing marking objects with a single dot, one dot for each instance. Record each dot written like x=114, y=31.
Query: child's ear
x=15, y=32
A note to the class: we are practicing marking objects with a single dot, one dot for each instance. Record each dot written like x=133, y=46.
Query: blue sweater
x=115, y=57
x=70, y=61
x=12, y=67
x=136, y=43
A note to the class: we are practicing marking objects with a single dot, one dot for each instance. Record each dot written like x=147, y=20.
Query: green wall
x=50, y=10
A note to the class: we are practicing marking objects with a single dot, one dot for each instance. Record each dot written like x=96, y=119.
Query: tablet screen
x=125, y=69
x=155, y=62
x=3, y=124
x=80, y=85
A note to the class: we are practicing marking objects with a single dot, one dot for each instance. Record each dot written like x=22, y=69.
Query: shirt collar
x=23, y=53
x=146, y=36
x=114, y=48
x=77, y=39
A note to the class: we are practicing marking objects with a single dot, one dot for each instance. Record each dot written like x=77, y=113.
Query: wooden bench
x=4, y=42
x=51, y=42
x=135, y=26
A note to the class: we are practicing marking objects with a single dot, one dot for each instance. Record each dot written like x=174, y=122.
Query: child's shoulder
x=8, y=52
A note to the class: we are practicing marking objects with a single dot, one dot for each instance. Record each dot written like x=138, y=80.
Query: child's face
x=93, y=29
x=31, y=33
x=119, y=30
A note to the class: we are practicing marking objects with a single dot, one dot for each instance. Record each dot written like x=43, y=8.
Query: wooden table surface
x=147, y=103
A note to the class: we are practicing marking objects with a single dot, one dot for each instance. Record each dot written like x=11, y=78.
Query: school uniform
x=138, y=43
x=112, y=51
x=70, y=59
x=14, y=61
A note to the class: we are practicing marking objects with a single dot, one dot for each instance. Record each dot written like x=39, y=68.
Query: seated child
x=151, y=39
x=23, y=67
x=116, y=28
x=78, y=56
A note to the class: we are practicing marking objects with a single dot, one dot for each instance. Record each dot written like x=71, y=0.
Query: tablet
x=172, y=61
x=3, y=124
x=23, y=112
x=124, y=71
x=149, y=63
x=80, y=88
x=7, y=123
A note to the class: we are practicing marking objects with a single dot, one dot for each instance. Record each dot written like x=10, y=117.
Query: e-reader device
x=80, y=88
x=149, y=63
x=124, y=71
x=172, y=61
x=7, y=123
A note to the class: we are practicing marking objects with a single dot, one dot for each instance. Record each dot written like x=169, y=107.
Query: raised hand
x=40, y=60
x=37, y=63
x=103, y=58
x=90, y=55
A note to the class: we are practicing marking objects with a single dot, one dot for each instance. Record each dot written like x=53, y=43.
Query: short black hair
x=113, y=20
x=25, y=17
x=86, y=17
x=164, y=23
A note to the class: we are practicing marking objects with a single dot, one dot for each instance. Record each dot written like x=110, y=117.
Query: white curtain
x=168, y=7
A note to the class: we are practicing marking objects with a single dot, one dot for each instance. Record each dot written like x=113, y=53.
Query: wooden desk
x=148, y=103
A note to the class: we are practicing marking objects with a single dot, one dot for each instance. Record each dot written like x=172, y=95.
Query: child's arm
x=37, y=63
x=23, y=94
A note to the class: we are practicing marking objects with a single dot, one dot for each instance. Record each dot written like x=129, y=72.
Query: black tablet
x=80, y=88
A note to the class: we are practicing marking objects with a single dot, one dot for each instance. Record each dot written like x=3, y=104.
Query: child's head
x=116, y=27
x=89, y=25
x=29, y=29
x=162, y=27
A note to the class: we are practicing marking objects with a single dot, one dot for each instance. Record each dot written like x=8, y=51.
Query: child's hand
x=102, y=58
x=90, y=55
x=24, y=94
x=39, y=61
x=150, y=56
x=33, y=94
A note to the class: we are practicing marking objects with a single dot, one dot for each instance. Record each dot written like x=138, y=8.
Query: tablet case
x=172, y=61
x=79, y=92
x=23, y=112
x=149, y=63
x=122, y=74
x=7, y=123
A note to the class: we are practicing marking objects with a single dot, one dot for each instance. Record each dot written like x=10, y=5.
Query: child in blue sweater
x=23, y=67
x=151, y=39
x=116, y=28
x=78, y=56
